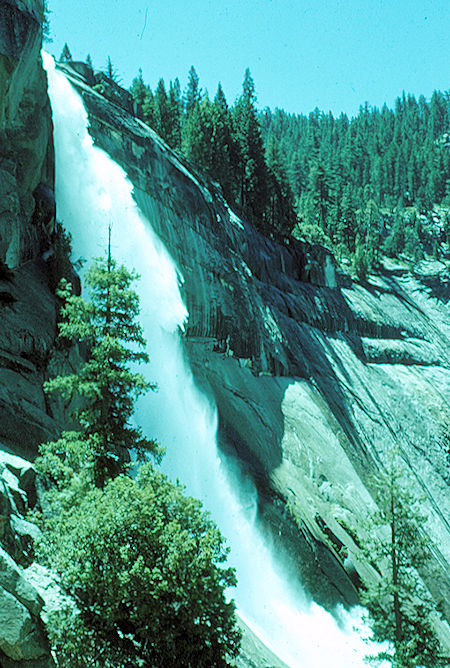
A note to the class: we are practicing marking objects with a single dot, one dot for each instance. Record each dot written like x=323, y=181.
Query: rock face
x=23, y=641
x=316, y=378
x=25, y=132
x=27, y=232
x=28, y=318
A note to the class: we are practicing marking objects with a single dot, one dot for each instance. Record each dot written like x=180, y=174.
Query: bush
x=145, y=566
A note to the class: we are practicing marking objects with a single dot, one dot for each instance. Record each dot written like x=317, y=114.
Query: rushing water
x=93, y=192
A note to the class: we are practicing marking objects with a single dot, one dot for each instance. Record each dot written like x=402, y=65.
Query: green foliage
x=145, y=567
x=193, y=92
x=348, y=176
x=312, y=233
x=394, y=158
x=105, y=386
x=60, y=265
x=400, y=610
x=251, y=166
x=360, y=263
x=226, y=143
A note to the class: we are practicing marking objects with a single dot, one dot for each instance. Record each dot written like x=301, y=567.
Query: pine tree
x=111, y=72
x=251, y=168
x=139, y=90
x=65, y=56
x=281, y=213
x=400, y=610
x=174, y=113
x=163, y=122
x=193, y=93
x=105, y=386
x=89, y=61
x=224, y=149
x=198, y=136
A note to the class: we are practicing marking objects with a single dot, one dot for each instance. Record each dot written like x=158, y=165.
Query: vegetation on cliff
x=376, y=182
x=143, y=563
x=400, y=609
x=107, y=324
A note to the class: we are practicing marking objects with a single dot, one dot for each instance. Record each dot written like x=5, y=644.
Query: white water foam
x=93, y=192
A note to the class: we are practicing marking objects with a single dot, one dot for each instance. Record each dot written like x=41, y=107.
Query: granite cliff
x=316, y=377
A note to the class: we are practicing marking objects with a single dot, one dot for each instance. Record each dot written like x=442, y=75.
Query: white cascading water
x=93, y=192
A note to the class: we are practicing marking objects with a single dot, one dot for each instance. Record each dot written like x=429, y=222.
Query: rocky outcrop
x=23, y=641
x=316, y=377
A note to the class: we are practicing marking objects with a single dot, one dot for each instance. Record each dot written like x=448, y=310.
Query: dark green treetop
x=65, y=54
x=193, y=93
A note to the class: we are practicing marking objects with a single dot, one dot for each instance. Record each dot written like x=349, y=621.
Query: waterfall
x=93, y=192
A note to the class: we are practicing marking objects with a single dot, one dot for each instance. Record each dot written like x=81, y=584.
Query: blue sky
x=333, y=54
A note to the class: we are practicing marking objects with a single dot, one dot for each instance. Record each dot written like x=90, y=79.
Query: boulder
x=13, y=581
x=20, y=637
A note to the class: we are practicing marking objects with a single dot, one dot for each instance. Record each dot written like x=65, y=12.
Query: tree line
x=224, y=141
x=379, y=182
x=376, y=183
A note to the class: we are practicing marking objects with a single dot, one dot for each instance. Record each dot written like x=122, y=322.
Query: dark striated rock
x=26, y=143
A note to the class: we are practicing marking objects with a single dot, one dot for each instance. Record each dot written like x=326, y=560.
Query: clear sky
x=333, y=54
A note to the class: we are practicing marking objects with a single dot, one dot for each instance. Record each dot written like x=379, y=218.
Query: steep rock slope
x=316, y=378
x=28, y=317
x=27, y=230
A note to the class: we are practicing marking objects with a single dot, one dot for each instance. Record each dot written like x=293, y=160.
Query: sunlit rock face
x=316, y=378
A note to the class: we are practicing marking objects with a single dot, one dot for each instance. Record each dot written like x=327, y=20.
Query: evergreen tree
x=224, y=149
x=197, y=135
x=251, y=168
x=111, y=72
x=89, y=61
x=281, y=213
x=105, y=386
x=65, y=56
x=161, y=110
x=148, y=108
x=174, y=113
x=360, y=264
x=400, y=610
x=395, y=242
x=193, y=93
x=139, y=90
x=347, y=223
